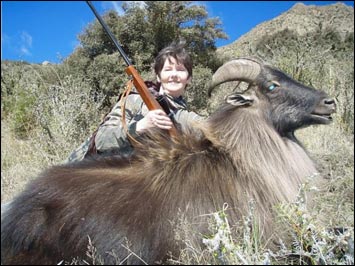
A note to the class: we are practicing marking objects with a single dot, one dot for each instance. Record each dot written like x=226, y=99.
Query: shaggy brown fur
x=139, y=198
x=238, y=154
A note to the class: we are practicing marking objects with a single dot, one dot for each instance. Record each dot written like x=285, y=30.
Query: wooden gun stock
x=138, y=82
x=147, y=97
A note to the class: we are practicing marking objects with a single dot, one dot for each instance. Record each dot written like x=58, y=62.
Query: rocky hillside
x=313, y=44
x=301, y=20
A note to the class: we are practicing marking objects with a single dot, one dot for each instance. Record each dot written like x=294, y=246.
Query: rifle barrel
x=112, y=37
x=138, y=82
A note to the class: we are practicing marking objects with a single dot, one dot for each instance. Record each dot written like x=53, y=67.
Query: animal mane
x=244, y=156
x=196, y=174
x=269, y=160
x=244, y=149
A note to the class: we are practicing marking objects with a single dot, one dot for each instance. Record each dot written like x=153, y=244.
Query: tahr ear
x=239, y=100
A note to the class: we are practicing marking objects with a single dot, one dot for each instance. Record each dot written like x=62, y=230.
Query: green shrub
x=196, y=93
x=22, y=117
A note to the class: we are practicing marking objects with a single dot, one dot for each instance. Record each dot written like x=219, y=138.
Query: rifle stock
x=138, y=82
x=147, y=97
x=142, y=89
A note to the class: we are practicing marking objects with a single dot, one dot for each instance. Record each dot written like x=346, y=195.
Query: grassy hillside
x=47, y=111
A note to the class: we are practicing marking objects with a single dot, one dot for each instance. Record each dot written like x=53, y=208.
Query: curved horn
x=242, y=69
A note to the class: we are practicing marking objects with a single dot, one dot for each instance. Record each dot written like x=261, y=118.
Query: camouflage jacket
x=111, y=137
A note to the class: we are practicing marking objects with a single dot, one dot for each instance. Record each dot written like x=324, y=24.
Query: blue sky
x=35, y=31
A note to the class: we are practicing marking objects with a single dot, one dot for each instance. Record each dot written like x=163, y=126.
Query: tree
x=143, y=30
x=146, y=27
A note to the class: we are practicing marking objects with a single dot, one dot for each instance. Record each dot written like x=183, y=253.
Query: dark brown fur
x=236, y=156
x=140, y=198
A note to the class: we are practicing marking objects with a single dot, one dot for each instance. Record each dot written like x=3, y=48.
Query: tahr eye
x=273, y=85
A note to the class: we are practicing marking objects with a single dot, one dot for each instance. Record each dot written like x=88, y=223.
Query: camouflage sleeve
x=111, y=135
x=187, y=118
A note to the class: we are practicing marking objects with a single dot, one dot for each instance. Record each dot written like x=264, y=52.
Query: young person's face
x=173, y=77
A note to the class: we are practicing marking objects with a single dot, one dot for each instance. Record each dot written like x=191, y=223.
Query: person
x=173, y=69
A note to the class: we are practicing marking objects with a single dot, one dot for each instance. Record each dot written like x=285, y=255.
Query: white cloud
x=19, y=44
x=25, y=44
x=115, y=5
x=5, y=39
x=26, y=39
x=25, y=51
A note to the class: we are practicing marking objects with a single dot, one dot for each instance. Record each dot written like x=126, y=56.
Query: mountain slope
x=313, y=44
x=300, y=20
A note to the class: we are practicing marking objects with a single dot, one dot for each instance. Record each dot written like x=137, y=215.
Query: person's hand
x=154, y=118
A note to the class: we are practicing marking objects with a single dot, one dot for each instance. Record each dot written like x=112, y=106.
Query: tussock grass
x=321, y=233
x=306, y=240
x=63, y=114
x=20, y=162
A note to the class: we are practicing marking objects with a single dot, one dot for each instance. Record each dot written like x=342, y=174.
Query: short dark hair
x=176, y=50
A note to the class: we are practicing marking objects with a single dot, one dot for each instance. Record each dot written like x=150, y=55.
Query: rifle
x=138, y=82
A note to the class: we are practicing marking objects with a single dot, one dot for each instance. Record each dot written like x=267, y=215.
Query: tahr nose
x=330, y=103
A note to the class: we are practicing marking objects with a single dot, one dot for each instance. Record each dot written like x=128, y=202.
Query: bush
x=196, y=93
x=22, y=118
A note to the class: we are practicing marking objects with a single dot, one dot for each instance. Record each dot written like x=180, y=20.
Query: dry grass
x=315, y=241
x=333, y=206
x=62, y=116
x=20, y=162
x=333, y=151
